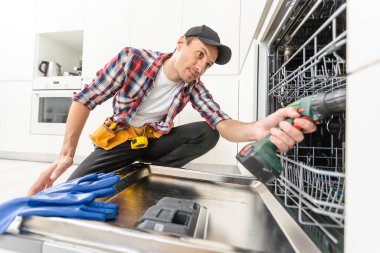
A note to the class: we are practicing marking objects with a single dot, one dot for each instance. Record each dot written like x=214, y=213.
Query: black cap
x=210, y=37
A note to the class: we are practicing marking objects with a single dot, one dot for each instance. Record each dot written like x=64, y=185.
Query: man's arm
x=76, y=120
x=237, y=131
x=284, y=139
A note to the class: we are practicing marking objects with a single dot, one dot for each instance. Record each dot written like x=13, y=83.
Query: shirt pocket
x=135, y=90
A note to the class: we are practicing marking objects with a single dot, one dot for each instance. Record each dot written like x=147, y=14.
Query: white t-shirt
x=157, y=104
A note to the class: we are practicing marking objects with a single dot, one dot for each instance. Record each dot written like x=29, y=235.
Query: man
x=149, y=90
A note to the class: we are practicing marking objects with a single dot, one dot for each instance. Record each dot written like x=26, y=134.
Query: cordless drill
x=260, y=157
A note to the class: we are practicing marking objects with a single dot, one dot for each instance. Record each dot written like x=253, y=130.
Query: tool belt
x=111, y=134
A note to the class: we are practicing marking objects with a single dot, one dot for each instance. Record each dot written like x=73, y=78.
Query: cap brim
x=224, y=52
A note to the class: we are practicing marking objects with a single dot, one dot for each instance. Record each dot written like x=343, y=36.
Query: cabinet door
x=362, y=161
x=59, y=15
x=363, y=21
x=248, y=88
x=106, y=32
x=250, y=15
x=15, y=116
x=224, y=90
x=159, y=27
x=223, y=17
x=17, y=40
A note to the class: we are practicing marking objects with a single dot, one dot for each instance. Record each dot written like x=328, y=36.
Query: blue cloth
x=73, y=199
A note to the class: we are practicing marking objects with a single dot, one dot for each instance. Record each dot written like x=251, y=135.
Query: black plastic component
x=171, y=215
x=257, y=166
x=327, y=103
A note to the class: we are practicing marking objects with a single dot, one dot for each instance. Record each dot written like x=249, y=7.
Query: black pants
x=182, y=145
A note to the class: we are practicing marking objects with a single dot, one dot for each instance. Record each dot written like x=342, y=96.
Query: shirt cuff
x=84, y=101
x=217, y=117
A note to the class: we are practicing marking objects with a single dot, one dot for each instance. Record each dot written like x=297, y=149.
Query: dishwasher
x=306, y=56
x=301, y=211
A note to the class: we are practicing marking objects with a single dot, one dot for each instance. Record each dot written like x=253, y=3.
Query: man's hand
x=287, y=136
x=49, y=175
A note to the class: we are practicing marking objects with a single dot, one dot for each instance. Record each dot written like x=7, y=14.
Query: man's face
x=194, y=58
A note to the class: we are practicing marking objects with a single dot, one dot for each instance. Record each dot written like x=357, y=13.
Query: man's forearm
x=76, y=120
x=237, y=131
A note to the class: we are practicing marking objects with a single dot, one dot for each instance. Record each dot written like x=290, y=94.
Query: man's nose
x=201, y=67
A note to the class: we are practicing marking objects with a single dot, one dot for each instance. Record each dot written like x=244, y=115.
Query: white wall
x=105, y=33
x=362, y=137
x=17, y=40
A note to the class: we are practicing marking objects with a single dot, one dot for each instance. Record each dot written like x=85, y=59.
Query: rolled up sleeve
x=203, y=102
x=107, y=82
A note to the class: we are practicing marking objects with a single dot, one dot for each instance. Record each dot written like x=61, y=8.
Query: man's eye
x=208, y=65
x=200, y=54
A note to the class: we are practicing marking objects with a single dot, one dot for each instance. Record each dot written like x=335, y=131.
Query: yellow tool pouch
x=111, y=134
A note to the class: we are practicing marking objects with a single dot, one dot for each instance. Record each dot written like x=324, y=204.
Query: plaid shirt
x=129, y=78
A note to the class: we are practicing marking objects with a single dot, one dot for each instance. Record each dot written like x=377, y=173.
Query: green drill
x=260, y=158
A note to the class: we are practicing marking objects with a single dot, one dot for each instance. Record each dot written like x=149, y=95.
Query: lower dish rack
x=312, y=187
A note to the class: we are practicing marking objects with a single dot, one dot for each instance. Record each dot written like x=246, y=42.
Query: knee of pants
x=211, y=136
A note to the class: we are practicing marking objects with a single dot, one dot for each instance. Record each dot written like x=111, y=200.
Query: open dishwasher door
x=243, y=216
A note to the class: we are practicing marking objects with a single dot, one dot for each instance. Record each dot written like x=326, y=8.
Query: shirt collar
x=153, y=69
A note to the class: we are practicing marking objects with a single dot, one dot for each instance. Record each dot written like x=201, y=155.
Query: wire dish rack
x=311, y=59
x=313, y=183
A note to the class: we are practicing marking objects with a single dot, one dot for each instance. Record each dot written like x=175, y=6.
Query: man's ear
x=181, y=41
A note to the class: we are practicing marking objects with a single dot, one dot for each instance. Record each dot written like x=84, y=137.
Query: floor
x=17, y=176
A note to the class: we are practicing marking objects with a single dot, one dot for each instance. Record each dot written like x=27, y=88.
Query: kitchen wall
x=107, y=27
x=362, y=164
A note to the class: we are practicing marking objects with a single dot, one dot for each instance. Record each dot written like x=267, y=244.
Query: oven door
x=50, y=109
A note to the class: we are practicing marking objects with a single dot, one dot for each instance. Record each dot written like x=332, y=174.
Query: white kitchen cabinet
x=248, y=86
x=250, y=15
x=223, y=17
x=106, y=32
x=224, y=90
x=45, y=144
x=59, y=15
x=248, y=92
x=156, y=24
x=362, y=164
x=17, y=40
x=363, y=23
x=15, y=116
x=362, y=137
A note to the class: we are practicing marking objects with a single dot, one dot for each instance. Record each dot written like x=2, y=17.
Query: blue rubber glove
x=91, y=211
x=88, y=183
x=82, y=207
x=73, y=199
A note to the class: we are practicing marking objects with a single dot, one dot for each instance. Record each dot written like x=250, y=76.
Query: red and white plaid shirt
x=129, y=78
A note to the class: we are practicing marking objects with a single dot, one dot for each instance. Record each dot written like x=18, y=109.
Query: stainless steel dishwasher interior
x=238, y=215
x=243, y=216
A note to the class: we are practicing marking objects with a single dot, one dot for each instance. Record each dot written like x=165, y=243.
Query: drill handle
x=291, y=122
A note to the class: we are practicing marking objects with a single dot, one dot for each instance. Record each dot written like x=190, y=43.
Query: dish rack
x=307, y=56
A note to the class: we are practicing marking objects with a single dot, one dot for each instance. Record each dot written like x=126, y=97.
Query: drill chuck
x=325, y=104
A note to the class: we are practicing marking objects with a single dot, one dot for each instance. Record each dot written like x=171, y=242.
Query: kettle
x=50, y=68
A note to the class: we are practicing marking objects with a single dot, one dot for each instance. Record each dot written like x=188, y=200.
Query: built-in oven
x=51, y=101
